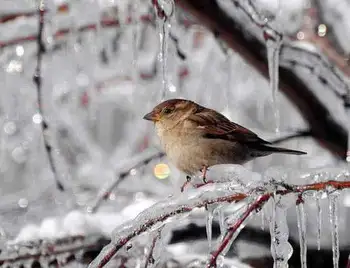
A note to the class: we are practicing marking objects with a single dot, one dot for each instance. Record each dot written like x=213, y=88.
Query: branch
x=161, y=211
x=46, y=248
x=253, y=50
x=259, y=202
x=122, y=173
x=37, y=80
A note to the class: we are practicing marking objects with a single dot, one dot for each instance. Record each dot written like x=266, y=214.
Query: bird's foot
x=204, y=174
x=188, y=180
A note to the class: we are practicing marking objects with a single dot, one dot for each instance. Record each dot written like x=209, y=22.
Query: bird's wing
x=216, y=126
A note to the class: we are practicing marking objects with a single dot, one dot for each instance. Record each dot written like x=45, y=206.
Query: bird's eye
x=167, y=110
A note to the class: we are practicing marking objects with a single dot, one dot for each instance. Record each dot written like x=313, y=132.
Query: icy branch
x=156, y=216
x=37, y=81
x=67, y=246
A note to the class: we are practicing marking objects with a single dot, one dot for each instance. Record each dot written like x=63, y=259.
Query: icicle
x=333, y=217
x=302, y=233
x=262, y=215
x=347, y=110
x=209, y=226
x=319, y=219
x=164, y=9
x=281, y=250
x=221, y=216
x=273, y=46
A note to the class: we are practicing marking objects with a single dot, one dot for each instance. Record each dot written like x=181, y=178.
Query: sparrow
x=195, y=137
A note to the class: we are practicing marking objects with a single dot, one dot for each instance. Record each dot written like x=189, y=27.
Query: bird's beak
x=152, y=116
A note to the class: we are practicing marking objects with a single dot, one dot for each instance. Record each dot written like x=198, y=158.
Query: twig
x=149, y=257
x=38, y=82
x=138, y=161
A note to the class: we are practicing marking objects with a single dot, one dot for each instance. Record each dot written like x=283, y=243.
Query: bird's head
x=171, y=111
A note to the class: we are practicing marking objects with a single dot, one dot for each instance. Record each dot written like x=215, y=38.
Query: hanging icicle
x=281, y=250
x=273, y=46
x=319, y=219
x=333, y=218
x=164, y=10
x=209, y=226
x=302, y=231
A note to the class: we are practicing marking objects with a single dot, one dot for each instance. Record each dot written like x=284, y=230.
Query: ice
x=273, y=46
x=302, y=233
x=209, y=225
x=163, y=22
x=155, y=216
x=333, y=218
x=281, y=250
x=319, y=219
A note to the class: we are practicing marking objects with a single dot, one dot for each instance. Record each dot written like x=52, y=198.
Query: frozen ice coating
x=105, y=64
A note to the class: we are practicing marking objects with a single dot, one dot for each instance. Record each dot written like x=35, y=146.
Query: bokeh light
x=161, y=171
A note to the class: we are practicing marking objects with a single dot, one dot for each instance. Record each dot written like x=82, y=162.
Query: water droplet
x=10, y=128
x=19, y=155
x=37, y=118
x=23, y=203
x=19, y=51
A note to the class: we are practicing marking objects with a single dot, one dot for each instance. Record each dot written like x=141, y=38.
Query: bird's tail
x=270, y=149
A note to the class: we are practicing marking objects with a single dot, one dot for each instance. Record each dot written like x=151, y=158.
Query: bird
x=195, y=138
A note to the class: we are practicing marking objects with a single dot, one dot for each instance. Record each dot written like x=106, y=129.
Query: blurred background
x=76, y=78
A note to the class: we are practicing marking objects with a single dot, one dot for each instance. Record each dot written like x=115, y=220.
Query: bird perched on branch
x=195, y=137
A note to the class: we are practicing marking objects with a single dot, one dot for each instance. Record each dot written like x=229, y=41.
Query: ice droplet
x=302, y=233
x=273, y=46
x=333, y=217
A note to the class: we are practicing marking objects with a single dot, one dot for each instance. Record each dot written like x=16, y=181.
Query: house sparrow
x=195, y=138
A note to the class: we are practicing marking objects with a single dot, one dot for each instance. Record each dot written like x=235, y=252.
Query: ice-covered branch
x=59, y=249
x=233, y=31
x=38, y=82
x=236, y=227
x=158, y=214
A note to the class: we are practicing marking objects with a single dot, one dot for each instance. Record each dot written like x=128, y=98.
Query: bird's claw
x=188, y=180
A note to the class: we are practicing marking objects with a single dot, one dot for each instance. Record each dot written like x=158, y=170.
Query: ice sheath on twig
x=38, y=82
